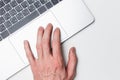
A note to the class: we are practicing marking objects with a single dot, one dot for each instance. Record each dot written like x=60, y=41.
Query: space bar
x=23, y=22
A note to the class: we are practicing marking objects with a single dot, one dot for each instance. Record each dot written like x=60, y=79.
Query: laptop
x=20, y=20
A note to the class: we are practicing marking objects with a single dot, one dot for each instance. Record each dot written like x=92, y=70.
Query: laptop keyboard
x=14, y=14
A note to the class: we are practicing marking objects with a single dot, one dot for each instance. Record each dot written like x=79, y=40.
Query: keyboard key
x=6, y=1
x=7, y=16
x=0, y=38
x=23, y=21
x=44, y=1
x=19, y=16
x=18, y=8
x=54, y=2
x=42, y=9
x=2, y=28
x=7, y=24
x=37, y=4
x=8, y=7
x=1, y=4
x=24, y=4
x=31, y=8
x=13, y=20
x=5, y=34
x=13, y=12
x=2, y=11
x=2, y=20
x=13, y=3
x=49, y=5
x=30, y=1
x=25, y=12
x=19, y=1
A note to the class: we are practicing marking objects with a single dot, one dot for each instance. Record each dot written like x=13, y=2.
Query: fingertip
x=73, y=55
x=50, y=26
x=25, y=43
x=73, y=50
x=40, y=28
x=57, y=29
x=57, y=33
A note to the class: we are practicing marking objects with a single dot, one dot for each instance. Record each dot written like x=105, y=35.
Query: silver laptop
x=20, y=20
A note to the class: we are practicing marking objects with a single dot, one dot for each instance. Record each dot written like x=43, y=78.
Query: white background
x=98, y=46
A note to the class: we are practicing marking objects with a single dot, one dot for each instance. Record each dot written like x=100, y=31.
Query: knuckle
x=45, y=43
x=56, y=43
x=59, y=64
x=38, y=46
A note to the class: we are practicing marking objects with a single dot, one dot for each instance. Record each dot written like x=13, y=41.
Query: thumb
x=72, y=63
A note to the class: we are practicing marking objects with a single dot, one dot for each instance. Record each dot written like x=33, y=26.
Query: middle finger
x=46, y=40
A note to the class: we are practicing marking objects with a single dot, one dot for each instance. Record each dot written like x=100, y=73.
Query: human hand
x=50, y=63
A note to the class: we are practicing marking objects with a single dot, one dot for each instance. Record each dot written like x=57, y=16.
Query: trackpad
x=30, y=33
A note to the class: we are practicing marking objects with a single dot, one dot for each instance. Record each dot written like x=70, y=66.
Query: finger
x=39, y=42
x=46, y=40
x=29, y=53
x=72, y=63
x=56, y=45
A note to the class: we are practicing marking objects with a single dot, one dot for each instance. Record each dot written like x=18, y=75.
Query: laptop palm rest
x=30, y=33
x=10, y=62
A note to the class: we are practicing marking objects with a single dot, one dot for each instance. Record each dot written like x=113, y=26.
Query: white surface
x=97, y=46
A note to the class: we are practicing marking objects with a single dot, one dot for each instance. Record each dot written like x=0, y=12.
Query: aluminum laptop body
x=71, y=16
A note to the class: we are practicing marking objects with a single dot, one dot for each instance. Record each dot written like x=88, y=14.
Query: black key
x=8, y=7
x=13, y=3
x=37, y=4
x=1, y=3
x=7, y=24
x=54, y=2
x=5, y=34
x=42, y=9
x=18, y=8
x=30, y=1
x=6, y=1
x=13, y=12
x=31, y=8
x=0, y=38
x=25, y=12
x=13, y=20
x=24, y=4
x=2, y=20
x=7, y=16
x=19, y=16
x=23, y=21
x=49, y=5
x=19, y=1
x=44, y=1
x=2, y=28
x=2, y=11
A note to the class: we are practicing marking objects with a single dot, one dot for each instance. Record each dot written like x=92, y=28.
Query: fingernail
x=25, y=40
x=73, y=49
